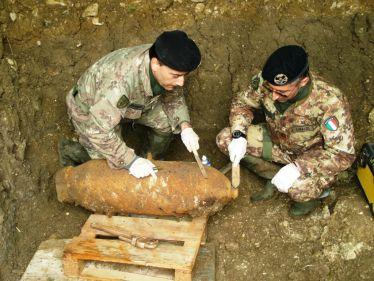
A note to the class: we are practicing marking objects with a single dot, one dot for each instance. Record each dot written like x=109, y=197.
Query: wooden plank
x=110, y=274
x=47, y=262
x=181, y=275
x=46, y=265
x=165, y=255
x=72, y=266
x=155, y=228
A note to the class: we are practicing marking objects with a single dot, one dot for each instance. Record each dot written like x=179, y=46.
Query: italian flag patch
x=331, y=123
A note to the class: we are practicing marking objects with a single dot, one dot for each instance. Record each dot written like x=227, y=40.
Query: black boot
x=304, y=208
x=260, y=167
x=158, y=143
x=267, y=192
x=72, y=153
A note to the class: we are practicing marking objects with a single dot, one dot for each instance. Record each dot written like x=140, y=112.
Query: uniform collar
x=144, y=72
x=300, y=97
x=157, y=89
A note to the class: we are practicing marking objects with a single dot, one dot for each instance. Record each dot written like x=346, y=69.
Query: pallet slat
x=46, y=265
x=178, y=247
x=166, y=256
x=107, y=274
x=168, y=230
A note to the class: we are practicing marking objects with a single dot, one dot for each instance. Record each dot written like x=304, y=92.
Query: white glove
x=190, y=139
x=286, y=177
x=142, y=168
x=237, y=149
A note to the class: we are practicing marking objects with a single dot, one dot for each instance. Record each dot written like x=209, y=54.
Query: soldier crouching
x=308, y=135
x=143, y=84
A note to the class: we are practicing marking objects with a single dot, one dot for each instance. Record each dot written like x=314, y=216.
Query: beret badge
x=280, y=79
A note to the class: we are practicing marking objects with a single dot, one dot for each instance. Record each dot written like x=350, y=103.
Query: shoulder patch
x=331, y=123
x=123, y=102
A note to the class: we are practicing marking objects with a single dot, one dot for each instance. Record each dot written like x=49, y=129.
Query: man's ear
x=155, y=63
x=304, y=81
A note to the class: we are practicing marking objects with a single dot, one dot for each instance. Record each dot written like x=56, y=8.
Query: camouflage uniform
x=301, y=134
x=115, y=87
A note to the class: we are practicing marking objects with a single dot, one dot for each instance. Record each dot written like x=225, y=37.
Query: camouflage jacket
x=118, y=86
x=315, y=132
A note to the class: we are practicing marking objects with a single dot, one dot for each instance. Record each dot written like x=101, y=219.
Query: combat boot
x=72, y=153
x=158, y=144
x=267, y=192
x=260, y=167
x=304, y=208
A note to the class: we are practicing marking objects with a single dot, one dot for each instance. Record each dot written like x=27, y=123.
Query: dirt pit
x=46, y=46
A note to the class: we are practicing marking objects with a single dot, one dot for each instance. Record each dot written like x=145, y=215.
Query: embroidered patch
x=123, y=102
x=302, y=129
x=331, y=123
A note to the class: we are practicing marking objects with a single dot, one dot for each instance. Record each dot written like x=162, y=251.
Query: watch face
x=236, y=134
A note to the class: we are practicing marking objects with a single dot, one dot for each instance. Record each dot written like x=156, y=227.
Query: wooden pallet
x=177, y=250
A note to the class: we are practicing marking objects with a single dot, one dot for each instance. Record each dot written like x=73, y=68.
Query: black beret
x=177, y=51
x=285, y=65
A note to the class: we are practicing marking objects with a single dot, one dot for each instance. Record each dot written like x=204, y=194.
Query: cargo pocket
x=134, y=111
x=106, y=116
x=131, y=113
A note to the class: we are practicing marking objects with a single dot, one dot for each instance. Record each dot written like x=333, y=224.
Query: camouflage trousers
x=260, y=145
x=94, y=139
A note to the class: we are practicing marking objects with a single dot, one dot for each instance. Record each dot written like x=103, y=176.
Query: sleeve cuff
x=132, y=161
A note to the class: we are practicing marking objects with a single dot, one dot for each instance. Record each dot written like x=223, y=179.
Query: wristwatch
x=237, y=134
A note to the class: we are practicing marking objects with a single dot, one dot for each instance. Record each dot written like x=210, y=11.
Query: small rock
x=53, y=236
x=360, y=25
x=35, y=12
x=198, y=1
x=54, y=2
x=12, y=63
x=325, y=214
x=320, y=270
x=91, y=11
x=39, y=43
x=199, y=8
x=1, y=216
x=296, y=276
x=232, y=246
x=163, y=4
x=96, y=21
x=371, y=116
x=1, y=47
x=20, y=148
x=13, y=16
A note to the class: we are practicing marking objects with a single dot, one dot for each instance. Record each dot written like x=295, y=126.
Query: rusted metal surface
x=179, y=189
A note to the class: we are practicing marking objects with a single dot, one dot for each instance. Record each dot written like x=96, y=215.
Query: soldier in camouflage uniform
x=308, y=129
x=142, y=84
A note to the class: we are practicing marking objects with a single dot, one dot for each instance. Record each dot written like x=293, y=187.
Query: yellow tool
x=365, y=172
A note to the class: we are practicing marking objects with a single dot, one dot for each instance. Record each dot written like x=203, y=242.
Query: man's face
x=286, y=92
x=168, y=78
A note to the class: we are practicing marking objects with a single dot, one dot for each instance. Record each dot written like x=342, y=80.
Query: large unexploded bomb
x=179, y=189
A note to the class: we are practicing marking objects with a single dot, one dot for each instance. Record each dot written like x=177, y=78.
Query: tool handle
x=235, y=175
x=136, y=241
x=201, y=166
